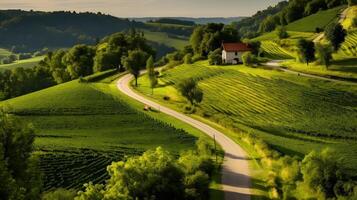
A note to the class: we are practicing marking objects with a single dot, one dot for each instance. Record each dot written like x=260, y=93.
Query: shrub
x=282, y=33
x=215, y=57
x=59, y=194
x=249, y=59
x=324, y=54
x=187, y=59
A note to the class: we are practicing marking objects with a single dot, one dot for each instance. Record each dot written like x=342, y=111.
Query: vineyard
x=274, y=51
x=294, y=114
x=349, y=47
x=83, y=127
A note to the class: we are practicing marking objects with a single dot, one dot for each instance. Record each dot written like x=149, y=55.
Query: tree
x=151, y=73
x=215, y=57
x=282, y=33
x=59, y=194
x=189, y=89
x=20, y=178
x=335, y=34
x=323, y=176
x=255, y=46
x=135, y=61
x=352, y=2
x=306, y=50
x=188, y=58
x=249, y=59
x=79, y=61
x=324, y=54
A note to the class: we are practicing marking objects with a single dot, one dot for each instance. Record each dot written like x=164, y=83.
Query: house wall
x=229, y=57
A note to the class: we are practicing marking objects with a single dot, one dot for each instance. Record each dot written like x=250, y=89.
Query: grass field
x=317, y=20
x=4, y=53
x=83, y=127
x=349, y=47
x=163, y=38
x=293, y=114
x=27, y=63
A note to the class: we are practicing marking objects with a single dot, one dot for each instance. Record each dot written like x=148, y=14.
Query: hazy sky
x=144, y=8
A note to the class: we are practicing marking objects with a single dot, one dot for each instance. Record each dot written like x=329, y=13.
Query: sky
x=147, y=8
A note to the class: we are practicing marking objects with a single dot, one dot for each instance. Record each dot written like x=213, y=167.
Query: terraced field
x=274, y=51
x=349, y=47
x=292, y=113
x=83, y=127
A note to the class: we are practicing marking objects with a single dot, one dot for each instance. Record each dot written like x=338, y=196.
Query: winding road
x=236, y=180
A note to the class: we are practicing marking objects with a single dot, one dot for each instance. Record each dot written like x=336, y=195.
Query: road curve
x=236, y=181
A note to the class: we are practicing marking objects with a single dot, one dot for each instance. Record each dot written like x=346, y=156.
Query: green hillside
x=293, y=114
x=27, y=63
x=165, y=39
x=317, y=20
x=83, y=127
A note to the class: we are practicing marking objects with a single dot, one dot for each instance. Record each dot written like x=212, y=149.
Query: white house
x=232, y=52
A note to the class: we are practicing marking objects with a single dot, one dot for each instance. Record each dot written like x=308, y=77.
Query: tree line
x=113, y=52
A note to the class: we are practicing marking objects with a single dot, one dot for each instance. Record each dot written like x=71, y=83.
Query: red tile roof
x=233, y=47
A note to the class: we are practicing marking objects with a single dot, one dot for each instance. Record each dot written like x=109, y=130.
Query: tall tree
x=336, y=34
x=151, y=73
x=79, y=61
x=189, y=89
x=324, y=54
x=135, y=61
x=19, y=175
x=306, y=49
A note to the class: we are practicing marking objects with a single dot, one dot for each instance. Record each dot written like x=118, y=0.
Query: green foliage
x=155, y=175
x=324, y=177
x=151, y=73
x=352, y=2
x=215, y=57
x=187, y=59
x=19, y=175
x=335, y=34
x=79, y=124
x=114, y=47
x=306, y=50
x=207, y=38
x=59, y=194
x=135, y=61
x=354, y=22
x=256, y=47
x=189, y=89
x=282, y=33
x=249, y=59
x=324, y=54
x=79, y=61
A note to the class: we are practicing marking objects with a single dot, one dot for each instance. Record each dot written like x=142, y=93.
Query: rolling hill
x=83, y=127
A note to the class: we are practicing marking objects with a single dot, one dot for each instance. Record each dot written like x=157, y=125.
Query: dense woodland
x=29, y=31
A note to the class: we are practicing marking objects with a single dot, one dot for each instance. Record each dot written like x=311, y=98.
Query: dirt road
x=236, y=178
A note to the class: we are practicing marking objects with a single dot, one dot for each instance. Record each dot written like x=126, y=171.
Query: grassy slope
x=294, y=114
x=317, y=20
x=163, y=38
x=351, y=13
x=84, y=127
x=27, y=63
x=4, y=53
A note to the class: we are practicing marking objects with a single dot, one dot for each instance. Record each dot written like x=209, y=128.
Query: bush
x=354, y=22
x=324, y=54
x=282, y=33
x=215, y=57
x=59, y=194
x=187, y=59
x=249, y=59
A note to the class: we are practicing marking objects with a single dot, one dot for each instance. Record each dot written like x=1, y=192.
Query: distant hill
x=201, y=20
x=28, y=31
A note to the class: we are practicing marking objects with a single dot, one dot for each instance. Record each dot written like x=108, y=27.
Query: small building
x=232, y=52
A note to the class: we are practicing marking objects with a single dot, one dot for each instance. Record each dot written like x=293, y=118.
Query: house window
x=236, y=53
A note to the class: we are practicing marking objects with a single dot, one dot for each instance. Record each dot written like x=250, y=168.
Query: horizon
x=149, y=8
